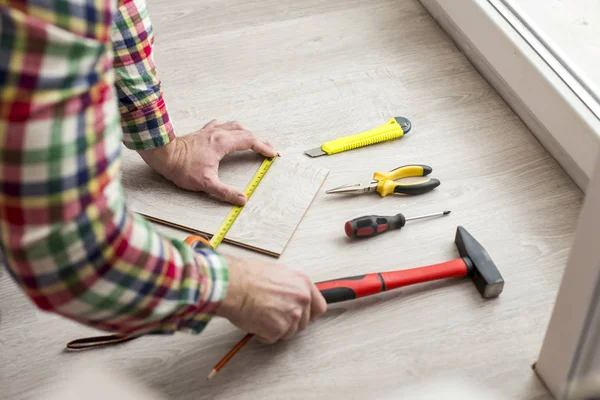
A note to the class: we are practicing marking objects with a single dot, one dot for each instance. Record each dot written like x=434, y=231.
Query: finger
x=265, y=148
x=304, y=320
x=266, y=340
x=292, y=331
x=223, y=192
x=212, y=124
x=318, y=305
x=238, y=140
x=246, y=140
x=232, y=126
x=290, y=334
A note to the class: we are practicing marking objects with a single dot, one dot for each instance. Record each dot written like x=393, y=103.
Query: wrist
x=161, y=159
x=236, y=294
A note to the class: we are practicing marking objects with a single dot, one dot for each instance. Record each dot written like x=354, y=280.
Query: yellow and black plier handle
x=197, y=243
x=385, y=183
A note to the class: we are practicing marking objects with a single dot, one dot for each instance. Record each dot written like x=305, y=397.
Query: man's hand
x=269, y=300
x=192, y=161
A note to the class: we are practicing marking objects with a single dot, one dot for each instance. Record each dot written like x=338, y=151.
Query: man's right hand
x=269, y=300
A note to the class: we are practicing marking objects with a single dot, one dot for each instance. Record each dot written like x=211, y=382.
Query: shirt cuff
x=215, y=282
x=214, y=270
x=147, y=127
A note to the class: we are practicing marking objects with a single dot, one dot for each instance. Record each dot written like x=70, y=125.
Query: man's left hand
x=192, y=161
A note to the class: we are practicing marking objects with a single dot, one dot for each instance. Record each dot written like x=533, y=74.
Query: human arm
x=190, y=161
x=67, y=237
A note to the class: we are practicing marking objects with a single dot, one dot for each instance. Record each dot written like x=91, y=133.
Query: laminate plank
x=316, y=72
x=267, y=221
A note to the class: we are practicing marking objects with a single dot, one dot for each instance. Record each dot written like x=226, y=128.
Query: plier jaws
x=354, y=188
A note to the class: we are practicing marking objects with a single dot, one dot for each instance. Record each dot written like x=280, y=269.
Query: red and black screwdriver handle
x=372, y=225
x=354, y=287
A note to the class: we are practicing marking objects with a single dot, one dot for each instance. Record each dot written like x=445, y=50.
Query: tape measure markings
x=236, y=210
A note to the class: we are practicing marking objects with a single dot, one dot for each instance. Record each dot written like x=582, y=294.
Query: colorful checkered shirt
x=76, y=79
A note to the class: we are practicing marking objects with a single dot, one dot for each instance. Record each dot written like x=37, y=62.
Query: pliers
x=385, y=182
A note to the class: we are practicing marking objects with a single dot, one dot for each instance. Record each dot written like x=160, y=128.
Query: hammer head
x=482, y=269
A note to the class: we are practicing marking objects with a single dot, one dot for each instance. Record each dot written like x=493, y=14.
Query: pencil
x=229, y=355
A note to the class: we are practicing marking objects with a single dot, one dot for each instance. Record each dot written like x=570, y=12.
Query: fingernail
x=241, y=199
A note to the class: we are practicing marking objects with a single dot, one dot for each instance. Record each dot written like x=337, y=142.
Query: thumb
x=223, y=192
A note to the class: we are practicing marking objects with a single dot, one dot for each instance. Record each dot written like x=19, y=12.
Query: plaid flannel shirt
x=76, y=79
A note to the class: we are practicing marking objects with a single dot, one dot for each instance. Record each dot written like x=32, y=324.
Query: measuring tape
x=236, y=210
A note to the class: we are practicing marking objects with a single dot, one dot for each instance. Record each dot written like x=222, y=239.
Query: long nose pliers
x=385, y=183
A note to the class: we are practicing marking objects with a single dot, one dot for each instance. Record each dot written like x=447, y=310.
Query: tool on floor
x=236, y=210
x=393, y=129
x=474, y=261
x=385, y=183
x=195, y=242
x=373, y=225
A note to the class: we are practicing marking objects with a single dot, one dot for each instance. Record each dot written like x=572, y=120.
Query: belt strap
x=98, y=341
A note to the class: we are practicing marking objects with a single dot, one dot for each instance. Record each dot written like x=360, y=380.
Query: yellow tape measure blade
x=236, y=210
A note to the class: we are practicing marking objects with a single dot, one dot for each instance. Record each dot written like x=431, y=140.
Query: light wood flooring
x=302, y=72
x=267, y=221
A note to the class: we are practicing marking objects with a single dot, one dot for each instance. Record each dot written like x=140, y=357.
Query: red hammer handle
x=365, y=285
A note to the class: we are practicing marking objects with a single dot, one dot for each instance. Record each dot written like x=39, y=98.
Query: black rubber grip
x=372, y=225
x=426, y=168
x=335, y=295
x=418, y=188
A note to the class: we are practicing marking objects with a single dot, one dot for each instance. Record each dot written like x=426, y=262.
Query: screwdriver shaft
x=438, y=214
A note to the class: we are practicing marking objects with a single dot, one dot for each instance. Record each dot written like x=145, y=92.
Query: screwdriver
x=372, y=225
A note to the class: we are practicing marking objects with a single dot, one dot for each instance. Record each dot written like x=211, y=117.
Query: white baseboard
x=539, y=92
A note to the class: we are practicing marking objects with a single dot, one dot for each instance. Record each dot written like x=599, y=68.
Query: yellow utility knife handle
x=389, y=130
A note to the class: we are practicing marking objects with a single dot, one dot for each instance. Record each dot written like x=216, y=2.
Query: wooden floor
x=302, y=72
x=267, y=221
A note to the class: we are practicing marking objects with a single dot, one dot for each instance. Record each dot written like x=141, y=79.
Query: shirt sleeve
x=67, y=237
x=144, y=118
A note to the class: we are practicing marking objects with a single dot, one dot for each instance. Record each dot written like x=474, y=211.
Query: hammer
x=474, y=261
